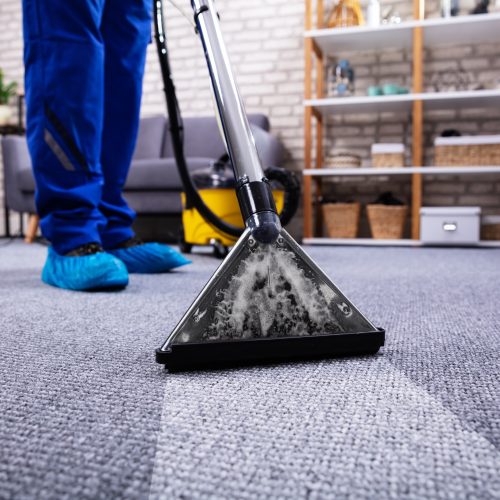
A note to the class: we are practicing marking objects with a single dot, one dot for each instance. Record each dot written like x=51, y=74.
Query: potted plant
x=6, y=92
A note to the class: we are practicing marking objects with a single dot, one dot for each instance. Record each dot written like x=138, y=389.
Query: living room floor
x=86, y=413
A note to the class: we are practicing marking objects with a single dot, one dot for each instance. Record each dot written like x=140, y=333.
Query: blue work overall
x=84, y=65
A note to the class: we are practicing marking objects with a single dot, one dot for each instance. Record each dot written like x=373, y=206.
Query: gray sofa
x=153, y=184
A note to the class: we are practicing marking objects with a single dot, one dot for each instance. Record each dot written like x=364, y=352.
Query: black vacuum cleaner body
x=267, y=301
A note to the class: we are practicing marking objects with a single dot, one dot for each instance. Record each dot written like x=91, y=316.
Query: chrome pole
x=253, y=190
x=238, y=135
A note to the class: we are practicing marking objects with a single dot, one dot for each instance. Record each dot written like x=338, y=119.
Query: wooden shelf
x=414, y=35
x=332, y=172
x=386, y=243
x=462, y=98
x=479, y=28
x=439, y=31
x=362, y=104
x=363, y=38
x=404, y=102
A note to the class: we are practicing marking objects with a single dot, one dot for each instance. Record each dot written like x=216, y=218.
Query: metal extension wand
x=253, y=190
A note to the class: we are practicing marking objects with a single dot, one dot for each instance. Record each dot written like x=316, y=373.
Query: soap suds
x=270, y=295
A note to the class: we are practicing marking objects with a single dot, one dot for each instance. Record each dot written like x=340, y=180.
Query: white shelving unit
x=332, y=172
x=321, y=43
x=479, y=28
x=439, y=31
x=404, y=102
x=383, y=243
x=405, y=242
x=358, y=38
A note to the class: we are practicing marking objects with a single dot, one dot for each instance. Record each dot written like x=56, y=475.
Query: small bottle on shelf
x=373, y=13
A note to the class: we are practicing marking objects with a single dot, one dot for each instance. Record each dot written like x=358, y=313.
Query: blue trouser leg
x=64, y=61
x=84, y=66
x=126, y=32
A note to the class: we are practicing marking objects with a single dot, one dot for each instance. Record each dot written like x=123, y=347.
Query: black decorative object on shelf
x=481, y=7
x=387, y=198
x=450, y=132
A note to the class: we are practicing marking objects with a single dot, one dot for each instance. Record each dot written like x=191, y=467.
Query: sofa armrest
x=16, y=159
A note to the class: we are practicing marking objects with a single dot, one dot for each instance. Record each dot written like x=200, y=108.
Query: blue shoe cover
x=150, y=258
x=88, y=272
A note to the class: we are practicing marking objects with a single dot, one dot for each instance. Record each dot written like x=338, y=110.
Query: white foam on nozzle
x=270, y=295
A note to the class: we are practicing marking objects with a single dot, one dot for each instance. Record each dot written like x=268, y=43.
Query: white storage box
x=450, y=225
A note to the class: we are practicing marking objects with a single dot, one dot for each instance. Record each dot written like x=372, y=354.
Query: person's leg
x=126, y=32
x=64, y=81
x=64, y=73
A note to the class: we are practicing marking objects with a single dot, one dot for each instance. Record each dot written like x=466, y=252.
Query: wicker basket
x=490, y=227
x=388, y=155
x=342, y=219
x=490, y=232
x=387, y=222
x=343, y=160
x=467, y=151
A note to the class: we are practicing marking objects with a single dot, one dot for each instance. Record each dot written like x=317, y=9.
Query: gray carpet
x=86, y=413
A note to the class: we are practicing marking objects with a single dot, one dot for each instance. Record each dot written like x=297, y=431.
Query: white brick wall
x=264, y=39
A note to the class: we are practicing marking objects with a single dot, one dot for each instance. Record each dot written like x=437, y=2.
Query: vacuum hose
x=193, y=199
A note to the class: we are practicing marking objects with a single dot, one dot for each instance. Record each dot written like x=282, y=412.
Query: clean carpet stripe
x=335, y=429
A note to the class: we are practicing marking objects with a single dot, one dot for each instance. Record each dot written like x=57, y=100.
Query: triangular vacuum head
x=267, y=302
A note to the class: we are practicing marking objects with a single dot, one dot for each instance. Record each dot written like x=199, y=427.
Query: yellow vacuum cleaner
x=216, y=186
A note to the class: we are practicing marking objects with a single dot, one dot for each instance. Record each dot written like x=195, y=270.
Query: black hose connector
x=255, y=197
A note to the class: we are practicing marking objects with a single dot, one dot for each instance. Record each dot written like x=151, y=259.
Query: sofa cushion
x=157, y=174
x=150, y=137
x=154, y=202
x=144, y=175
x=202, y=137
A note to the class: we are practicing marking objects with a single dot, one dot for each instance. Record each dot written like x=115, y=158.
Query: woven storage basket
x=490, y=232
x=343, y=160
x=466, y=151
x=490, y=227
x=341, y=219
x=388, y=155
x=387, y=222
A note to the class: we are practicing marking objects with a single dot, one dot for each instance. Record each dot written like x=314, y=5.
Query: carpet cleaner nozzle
x=267, y=301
